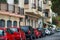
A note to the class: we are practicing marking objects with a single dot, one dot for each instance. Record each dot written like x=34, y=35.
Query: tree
x=56, y=6
x=3, y=1
x=16, y=1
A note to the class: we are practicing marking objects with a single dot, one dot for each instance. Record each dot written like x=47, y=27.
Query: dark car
x=42, y=30
x=29, y=32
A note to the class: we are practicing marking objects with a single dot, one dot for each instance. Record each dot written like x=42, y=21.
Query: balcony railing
x=11, y=8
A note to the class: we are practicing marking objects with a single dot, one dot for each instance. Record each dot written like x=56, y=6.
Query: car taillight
x=29, y=32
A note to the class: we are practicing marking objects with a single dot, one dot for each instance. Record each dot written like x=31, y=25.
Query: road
x=55, y=36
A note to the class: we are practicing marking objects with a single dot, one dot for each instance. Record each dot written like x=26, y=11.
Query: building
x=44, y=9
x=11, y=14
x=47, y=12
x=19, y=13
x=25, y=13
x=31, y=13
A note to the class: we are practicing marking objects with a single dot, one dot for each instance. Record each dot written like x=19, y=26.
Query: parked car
x=51, y=30
x=57, y=29
x=42, y=30
x=16, y=33
x=47, y=31
x=37, y=33
x=29, y=32
x=4, y=35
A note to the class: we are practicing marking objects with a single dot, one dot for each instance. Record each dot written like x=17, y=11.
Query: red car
x=4, y=35
x=37, y=33
x=22, y=34
x=16, y=33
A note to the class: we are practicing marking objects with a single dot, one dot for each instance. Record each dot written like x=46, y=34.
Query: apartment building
x=44, y=9
x=11, y=13
x=31, y=13
x=47, y=12
x=19, y=13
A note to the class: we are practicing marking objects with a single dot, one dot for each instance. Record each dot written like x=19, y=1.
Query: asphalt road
x=55, y=36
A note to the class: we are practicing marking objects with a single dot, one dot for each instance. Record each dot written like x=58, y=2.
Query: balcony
x=11, y=9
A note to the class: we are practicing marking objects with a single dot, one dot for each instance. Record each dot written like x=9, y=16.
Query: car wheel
x=34, y=37
x=31, y=38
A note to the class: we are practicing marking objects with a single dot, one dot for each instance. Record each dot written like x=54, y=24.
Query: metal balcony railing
x=11, y=8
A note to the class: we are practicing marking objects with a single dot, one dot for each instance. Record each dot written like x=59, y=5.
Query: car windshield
x=1, y=32
x=25, y=29
x=14, y=29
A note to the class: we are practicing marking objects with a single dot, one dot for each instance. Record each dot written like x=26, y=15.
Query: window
x=46, y=14
x=9, y=23
x=2, y=23
x=16, y=1
x=39, y=5
x=22, y=11
x=10, y=7
x=15, y=23
x=26, y=1
x=34, y=4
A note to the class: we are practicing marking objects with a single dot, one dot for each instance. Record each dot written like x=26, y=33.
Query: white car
x=48, y=32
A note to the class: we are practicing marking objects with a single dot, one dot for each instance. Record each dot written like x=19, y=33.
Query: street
x=55, y=36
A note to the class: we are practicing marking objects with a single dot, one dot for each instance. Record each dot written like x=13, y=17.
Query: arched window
x=2, y=23
x=15, y=23
x=9, y=23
